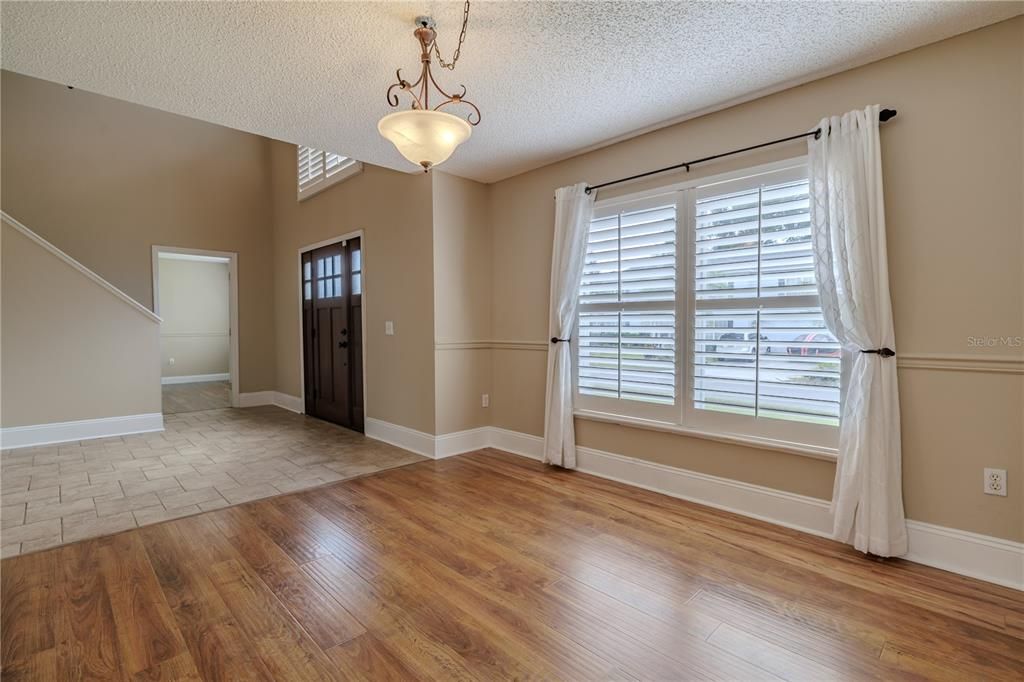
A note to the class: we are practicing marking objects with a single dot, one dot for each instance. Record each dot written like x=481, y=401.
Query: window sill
x=813, y=451
x=343, y=174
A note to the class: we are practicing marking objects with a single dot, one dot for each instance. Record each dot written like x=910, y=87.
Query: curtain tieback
x=883, y=352
x=555, y=339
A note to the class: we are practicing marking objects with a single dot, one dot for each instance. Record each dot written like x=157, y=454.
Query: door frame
x=232, y=302
x=357, y=234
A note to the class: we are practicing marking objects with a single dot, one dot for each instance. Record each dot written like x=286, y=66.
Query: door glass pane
x=319, y=288
x=357, y=260
x=337, y=286
x=357, y=283
x=308, y=291
x=329, y=269
x=337, y=265
x=329, y=288
x=307, y=270
x=319, y=267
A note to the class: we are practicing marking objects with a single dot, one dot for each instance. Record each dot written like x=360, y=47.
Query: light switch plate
x=389, y=328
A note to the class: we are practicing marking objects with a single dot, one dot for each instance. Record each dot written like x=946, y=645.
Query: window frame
x=684, y=417
x=347, y=170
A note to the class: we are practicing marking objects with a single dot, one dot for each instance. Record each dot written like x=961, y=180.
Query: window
x=318, y=170
x=626, y=334
x=699, y=308
x=328, y=277
x=357, y=272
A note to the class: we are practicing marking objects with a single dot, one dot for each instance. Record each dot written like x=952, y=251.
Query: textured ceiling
x=551, y=78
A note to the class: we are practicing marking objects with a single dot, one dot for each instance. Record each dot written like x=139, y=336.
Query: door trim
x=232, y=301
x=357, y=234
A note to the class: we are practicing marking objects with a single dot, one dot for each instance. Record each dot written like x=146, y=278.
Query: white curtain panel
x=848, y=234
x=573, y=210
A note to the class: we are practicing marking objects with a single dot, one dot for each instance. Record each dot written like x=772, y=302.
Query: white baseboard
x=807, y=514
x=984, y=557
x=64, y=432
x=449, y=444
x=977, y=556
x=195, y=378
x=523, y=444
x=283, y=400
x=402, y=436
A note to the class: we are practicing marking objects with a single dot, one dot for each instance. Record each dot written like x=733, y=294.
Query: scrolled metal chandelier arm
x=421, y=100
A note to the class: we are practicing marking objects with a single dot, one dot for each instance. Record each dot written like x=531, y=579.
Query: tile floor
x=203, y=395
x=53, y=495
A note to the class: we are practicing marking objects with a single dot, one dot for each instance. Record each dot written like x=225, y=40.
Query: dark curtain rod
x=883, y=116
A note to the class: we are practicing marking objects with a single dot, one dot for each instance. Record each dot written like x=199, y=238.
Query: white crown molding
x=977, y=556
x=85, y=429
x=195, y=378
x=283, y=400
x=81, y=268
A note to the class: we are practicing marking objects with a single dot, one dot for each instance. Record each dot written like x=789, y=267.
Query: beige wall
x=463, y=269
x=61, y=360
x=393, y=210
x=953, y=173
x=462, y=302
x=194, y=305
x=105, y=180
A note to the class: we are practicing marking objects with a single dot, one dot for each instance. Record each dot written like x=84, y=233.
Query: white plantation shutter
x=760, y=346
x=719, y=330
x=318, y=169
x=336, y=163
x=626, y=334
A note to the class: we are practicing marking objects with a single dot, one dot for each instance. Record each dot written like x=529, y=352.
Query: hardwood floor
x=489, y=566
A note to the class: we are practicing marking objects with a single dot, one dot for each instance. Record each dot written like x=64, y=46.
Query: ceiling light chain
x=458, y=49
x=426, y=135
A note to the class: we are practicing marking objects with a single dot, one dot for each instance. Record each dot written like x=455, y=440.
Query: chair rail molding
x=994, y=364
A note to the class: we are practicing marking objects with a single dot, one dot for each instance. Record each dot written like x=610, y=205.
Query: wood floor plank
x=28, y=608
x=282, y=646
x=369, y=658
x=146, y=630
x=326, y=621
x=421, y=652
x=219, y=649
x=87, y=643
x=779, y=661
x=489, y=566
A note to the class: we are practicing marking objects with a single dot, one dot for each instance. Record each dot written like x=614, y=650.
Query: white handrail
x=78, y=266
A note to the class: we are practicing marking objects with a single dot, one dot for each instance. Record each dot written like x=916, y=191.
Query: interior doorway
x=331, y=286
x=195, y=294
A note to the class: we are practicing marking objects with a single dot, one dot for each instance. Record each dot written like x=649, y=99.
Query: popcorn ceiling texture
x=551, y=78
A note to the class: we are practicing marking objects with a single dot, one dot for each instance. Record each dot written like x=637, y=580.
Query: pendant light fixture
x=424, y=135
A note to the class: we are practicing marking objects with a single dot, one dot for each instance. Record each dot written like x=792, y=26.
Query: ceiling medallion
x=423, y=135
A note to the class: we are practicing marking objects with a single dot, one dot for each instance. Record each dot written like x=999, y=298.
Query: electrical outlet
x=485, y=400
x=389, y=328
x=995, y=482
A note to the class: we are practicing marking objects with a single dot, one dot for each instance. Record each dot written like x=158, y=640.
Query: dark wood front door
x=332, y=333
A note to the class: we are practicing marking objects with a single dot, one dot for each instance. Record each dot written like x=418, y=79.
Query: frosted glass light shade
x=426, y=138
